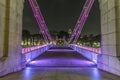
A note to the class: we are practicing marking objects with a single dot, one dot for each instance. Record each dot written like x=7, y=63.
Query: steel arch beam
x=40, y=20
x=81, y=21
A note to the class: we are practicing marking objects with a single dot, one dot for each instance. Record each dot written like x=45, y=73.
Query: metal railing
x=29, y=49
x=96, y=50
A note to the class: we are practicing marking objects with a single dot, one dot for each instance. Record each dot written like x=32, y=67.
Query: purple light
x=28, y=60
x=28, y=49
x=27, y=74
x=96, y=50
x=60, y=62
x=88, y=52
x=59, y=50
x=96, y=74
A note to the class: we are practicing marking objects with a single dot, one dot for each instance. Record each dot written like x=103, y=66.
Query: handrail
x=40, y=20
x=29, y=49
x=96, y=50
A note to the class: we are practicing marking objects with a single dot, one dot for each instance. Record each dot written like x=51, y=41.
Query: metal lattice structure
x=79, y=25
x=40, y=20
x=81, y=21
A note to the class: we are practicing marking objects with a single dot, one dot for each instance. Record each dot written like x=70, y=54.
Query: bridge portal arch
x=11, y=31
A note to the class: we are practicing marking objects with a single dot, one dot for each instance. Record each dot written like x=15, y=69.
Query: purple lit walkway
x=61, y=57
x=61, y=64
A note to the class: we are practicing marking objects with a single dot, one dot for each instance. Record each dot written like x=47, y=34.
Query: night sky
x=62, y=15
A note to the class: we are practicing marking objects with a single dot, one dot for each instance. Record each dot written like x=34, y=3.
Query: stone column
x=117, y=12
x=15, y=35
x=12, y=37
x=108, y=60
x=2, y=19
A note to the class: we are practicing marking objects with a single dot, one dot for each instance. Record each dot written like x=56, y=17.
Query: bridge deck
x=61, y=64
x=61, y=57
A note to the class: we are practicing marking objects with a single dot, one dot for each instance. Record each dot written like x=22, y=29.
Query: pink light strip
x=37, y=16
x=29, y=49
x=87, y=11
x=81, y=21
x=76, y=27
x=80, y=29
x=40, y=20
x=85, y=15
x=96, y=50
x=78, y=23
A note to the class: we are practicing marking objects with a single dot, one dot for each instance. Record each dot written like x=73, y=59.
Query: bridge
x=51, y=62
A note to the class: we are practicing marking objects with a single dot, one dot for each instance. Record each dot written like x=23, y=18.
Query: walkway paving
x=61, y=64
x=61, y=57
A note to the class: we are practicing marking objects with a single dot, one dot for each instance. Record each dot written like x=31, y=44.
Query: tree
x=90, y=39
x=85, y=39
x=25, y=36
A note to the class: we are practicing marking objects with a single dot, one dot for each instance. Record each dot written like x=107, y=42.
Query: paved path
x=61, y=64
x=61, y=57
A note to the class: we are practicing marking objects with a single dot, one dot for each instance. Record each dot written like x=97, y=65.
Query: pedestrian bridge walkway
x=61, y=57
x=61, y=64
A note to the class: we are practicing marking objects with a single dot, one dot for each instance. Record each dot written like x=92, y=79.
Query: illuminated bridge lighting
x=81, y=21
x=29, y=49
x=95, y=50
x=40, y=20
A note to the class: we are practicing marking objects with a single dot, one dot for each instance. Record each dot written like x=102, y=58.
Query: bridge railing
x=88, y=52
x=31, y=53
x=95, y=50
x=29, y=49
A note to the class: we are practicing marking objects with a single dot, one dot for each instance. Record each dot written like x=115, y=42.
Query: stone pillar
x=109, y=59
x=2, y=18
x=11, y=37
x=117, y=12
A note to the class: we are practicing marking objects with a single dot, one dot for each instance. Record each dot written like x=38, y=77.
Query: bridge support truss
x=81, y=21
x=40, y=20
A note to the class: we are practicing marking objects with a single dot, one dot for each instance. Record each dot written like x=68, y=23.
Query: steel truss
x=40, y=20
x=81, y=21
